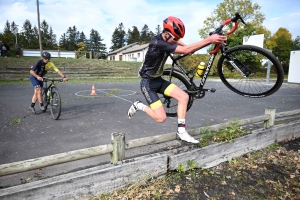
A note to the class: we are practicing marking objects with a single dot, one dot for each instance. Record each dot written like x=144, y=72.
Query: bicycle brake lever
x=238, y=17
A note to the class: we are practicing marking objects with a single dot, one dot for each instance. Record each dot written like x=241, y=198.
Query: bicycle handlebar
x=219, y=30
x=45, y=79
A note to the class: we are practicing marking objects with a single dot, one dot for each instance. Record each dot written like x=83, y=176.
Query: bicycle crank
x=201, y=93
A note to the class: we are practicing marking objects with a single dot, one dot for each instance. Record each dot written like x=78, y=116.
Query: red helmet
x=175, y=26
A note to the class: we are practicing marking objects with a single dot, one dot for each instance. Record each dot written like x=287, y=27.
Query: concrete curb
x=109, y=177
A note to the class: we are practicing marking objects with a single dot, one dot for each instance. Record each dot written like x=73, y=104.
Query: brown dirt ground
x=271, y=173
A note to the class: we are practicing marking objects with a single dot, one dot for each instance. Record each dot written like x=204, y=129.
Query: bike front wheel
x=46, y=99
x=170, y=104
x=250, y=71
x=55, y=104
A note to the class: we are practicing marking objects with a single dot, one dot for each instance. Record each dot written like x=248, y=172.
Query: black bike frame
x=207, y=68
x=48, y=88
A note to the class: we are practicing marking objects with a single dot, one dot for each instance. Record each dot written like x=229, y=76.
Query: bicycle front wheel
x=55, y=104
x=250, y=71
x=46, y=99
x=170, y=104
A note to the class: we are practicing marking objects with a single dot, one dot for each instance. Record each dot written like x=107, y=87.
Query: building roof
x=123, y=48
x=136, y=48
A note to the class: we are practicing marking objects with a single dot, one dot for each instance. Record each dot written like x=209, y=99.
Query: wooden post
x=270, y=122
x=118, y=142
x=90, y=55
x=58, y=53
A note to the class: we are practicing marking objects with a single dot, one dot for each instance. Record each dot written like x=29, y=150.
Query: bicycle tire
x=169, y=103
x=45, y=99
x=55, y=104
x=254, y=62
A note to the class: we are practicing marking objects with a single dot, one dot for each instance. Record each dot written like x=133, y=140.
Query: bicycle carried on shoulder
x=51, y=97
x=247, y=70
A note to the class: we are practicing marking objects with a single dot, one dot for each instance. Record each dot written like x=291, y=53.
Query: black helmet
x=46, y=54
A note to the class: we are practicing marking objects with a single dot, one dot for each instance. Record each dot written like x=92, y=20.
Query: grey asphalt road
x=88, y=121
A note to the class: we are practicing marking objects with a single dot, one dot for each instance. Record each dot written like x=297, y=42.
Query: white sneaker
x=133, y=109
x=186, y=137
x=42, y=108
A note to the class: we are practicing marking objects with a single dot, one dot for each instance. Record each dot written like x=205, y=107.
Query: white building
x=132, y=52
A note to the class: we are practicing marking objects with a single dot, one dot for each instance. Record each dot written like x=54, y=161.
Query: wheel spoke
x=264, y=74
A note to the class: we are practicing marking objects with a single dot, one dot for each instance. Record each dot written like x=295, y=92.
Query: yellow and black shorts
x=151, y=87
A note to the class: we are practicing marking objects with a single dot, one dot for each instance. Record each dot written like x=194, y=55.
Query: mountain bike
x=51, y=97
x=247, y=70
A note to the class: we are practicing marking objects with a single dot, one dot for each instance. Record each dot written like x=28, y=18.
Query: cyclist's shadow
x=73, y=111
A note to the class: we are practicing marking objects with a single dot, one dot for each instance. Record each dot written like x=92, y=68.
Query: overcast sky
x=105, y=15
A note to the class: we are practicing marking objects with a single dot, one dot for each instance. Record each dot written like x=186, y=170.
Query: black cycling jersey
x=41, y=68
x=156, y=57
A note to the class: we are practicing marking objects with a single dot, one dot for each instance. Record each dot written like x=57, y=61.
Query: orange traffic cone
x=93, y=91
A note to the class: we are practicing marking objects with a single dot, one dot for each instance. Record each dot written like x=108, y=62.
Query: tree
x=27, y=33
x=146, y=35
x=96, y=45
x=118, y=37
x=48, y=37
x=226, y=10
x=296, y=43
x=158, y=29
x=133, y=36
x=8, y=37
x=281, y=44
x=63, y=42
x=82, y=37
x=72, y=37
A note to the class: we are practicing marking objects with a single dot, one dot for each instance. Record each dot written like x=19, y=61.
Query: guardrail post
x=118, y=142
x=270, y=122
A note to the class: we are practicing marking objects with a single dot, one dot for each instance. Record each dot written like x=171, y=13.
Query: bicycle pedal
x=213, y=90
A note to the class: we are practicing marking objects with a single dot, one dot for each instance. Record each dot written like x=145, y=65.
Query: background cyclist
x=159, y=48
x=37, y=71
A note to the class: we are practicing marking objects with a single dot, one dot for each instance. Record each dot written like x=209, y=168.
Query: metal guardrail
x=118, y=146
x=54, y=53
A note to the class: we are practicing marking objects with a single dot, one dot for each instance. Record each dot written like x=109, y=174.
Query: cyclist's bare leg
x=37, y=95
x=158, y=114
x=182, y=99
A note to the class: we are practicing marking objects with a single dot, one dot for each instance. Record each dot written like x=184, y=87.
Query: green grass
x=77, y=70
x=67, y=62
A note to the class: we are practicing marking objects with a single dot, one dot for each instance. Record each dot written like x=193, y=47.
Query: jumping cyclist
x=37, y=71
x=152, y=69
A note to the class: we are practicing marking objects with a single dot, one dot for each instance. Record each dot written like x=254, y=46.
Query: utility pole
x=38, y=16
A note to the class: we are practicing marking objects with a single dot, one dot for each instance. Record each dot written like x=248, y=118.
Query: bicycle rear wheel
x=170, y=104
x=55, y=104
x=257, y=72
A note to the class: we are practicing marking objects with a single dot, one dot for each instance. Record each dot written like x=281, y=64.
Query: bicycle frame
x=47, y=88
x=208, y=67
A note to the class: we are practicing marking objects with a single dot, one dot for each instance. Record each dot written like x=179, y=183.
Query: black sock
x=41, y=104
x=32, y=105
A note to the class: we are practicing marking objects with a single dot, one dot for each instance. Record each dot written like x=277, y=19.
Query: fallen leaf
x=223, y=183
x=292, y=176
x=177, y=189
x=168, y=192
x=169, y=148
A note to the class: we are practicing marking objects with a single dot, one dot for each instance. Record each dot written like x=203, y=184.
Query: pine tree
x=118, y=37
x=158, y=29
x=133, y=36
